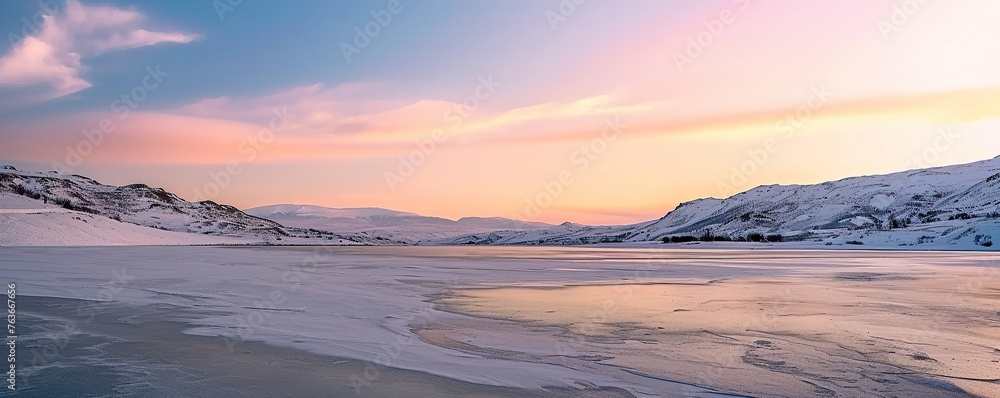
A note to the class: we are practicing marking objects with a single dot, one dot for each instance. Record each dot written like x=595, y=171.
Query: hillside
x=26, y=223
x=144, y=206
x=944, y=207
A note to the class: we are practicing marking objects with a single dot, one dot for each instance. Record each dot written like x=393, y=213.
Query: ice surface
x=365, y=303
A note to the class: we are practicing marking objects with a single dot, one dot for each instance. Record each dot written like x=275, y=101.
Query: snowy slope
x=398, y=225
x=944, y=207
x=26, y=222
x=919, y=200
x=564, y=234
x=144, y=206
x=496, y=223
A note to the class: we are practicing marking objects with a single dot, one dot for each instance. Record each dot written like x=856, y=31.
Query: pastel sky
x=602, y=112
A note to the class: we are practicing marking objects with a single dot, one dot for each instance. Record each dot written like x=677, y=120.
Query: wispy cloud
x=319, y=109
x=360, y=112
x=50, y=62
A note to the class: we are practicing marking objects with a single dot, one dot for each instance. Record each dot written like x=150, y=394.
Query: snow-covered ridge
x=392, y=224
x=329, y=212
x=943, y=207
x=150, y=207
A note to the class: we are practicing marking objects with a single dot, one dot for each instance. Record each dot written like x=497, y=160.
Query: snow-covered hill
x=373, y=221
x=564, y=234
x=24, y=222
x=139, y=205
x=944, y=207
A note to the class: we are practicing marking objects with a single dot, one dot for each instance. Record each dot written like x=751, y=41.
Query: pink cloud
x=360, y=113
x=52, y=59
x=318, y=109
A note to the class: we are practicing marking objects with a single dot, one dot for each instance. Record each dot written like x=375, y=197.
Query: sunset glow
x=596, y=113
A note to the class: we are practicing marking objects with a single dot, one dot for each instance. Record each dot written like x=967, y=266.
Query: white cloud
x=50, y=61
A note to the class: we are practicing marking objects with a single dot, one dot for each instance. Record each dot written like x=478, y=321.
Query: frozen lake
x=548, y=321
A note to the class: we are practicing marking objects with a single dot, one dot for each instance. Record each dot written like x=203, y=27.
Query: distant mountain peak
x=406, y=226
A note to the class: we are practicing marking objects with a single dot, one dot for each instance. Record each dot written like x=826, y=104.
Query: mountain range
x=945, y=207
x=950, y=207
x=396, y=225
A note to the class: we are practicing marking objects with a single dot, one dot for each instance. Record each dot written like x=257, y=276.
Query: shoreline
x=721, y=246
